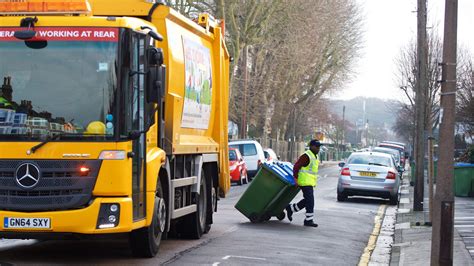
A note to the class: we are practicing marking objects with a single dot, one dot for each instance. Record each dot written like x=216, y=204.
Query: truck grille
x=60, y=187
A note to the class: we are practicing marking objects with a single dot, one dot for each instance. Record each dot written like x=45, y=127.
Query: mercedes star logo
x=27, y=175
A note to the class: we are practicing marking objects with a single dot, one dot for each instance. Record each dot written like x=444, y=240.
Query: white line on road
x=464, y=218
x=216, y=263
x=232, y=229
x=242, y=257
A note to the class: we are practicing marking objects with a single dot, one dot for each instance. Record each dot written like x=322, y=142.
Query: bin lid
x=464, y=165
x=281, y=172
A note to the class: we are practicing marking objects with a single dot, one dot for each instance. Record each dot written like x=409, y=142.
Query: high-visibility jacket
x=5, y=103
x=308, y=175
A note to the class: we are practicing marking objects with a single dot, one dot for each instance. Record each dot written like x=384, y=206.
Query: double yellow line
x=365, y=258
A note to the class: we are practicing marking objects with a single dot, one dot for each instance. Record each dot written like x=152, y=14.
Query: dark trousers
x=307, y=202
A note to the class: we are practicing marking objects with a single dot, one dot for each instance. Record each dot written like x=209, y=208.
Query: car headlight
x=232, y=168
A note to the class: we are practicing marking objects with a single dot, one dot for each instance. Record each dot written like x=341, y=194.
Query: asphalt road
x=342, y=235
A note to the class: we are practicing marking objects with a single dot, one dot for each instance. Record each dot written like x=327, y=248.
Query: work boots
x=310, y=223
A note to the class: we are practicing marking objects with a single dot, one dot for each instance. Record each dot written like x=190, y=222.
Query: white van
x=252, y=152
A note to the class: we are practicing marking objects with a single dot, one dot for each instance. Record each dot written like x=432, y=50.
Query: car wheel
x=341, y=196
x=394, y=199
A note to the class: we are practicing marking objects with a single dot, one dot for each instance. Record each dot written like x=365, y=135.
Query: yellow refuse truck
x=139, y=97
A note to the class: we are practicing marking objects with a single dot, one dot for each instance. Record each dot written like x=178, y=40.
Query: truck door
x=138, y=107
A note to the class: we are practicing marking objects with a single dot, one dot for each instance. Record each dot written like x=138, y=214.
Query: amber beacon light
x=15, y=7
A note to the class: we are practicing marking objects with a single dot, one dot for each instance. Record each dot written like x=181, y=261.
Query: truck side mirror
x=155, y=56
x=156, y=75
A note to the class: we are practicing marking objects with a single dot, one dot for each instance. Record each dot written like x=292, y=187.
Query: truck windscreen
x=65, y=86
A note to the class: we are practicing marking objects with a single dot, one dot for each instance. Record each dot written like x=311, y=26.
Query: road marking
x=463, y=225
x=464, y=218
x=242, y=257
x=365, y=258
x=232, y=229
x=216, y=263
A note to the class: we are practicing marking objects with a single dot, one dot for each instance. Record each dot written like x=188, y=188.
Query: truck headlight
x=109, y=215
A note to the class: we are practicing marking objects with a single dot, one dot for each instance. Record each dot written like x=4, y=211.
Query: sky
x=389, y=26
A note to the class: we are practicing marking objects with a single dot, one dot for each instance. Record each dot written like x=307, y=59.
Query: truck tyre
x=145, y=242
x=195, y=224
x=211, y=204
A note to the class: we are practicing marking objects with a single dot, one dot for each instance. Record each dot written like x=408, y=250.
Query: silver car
x=369, y=174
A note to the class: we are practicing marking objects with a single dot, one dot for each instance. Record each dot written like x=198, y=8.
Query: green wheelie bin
x=463, y=179
x=272, y=189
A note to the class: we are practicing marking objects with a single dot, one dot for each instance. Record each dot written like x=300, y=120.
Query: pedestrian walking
x=305, y=173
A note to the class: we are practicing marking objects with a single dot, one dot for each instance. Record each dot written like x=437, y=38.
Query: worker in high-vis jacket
x=305, y=172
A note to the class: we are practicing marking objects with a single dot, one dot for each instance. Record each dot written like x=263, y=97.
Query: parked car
x=270, y=156
x=395, y=153
x=400, y=148
x=396, y=156
x=369, y=174
x=237, y=167
x=252, y=152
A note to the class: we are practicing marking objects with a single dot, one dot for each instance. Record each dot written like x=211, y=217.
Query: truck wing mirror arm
x=154, y=35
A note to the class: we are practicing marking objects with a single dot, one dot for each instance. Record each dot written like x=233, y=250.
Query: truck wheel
x=195, y=224
x=145, y=242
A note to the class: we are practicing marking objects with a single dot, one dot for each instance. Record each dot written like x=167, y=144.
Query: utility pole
x=244, y=112
x=443, y=209
x=430, y=176
x=343, y=123
x=420, y=98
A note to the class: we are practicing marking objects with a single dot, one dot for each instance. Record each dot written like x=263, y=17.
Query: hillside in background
x=380, y=113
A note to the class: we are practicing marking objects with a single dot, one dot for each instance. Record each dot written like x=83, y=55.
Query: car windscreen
x=65, y=87
x=398, y=148
x=395, y=153
x=267, y=155
x=370, y=160
x=232, y=156
x=249, y=150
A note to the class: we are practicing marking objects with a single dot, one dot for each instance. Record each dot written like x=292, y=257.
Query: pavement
x=410, y=239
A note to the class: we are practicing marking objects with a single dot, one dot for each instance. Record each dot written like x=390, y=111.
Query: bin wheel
x=266, y=217
x=253, y=218
x=281, y=216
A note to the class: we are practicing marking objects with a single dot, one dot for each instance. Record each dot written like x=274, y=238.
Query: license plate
x=26, y=223
x=368, y=174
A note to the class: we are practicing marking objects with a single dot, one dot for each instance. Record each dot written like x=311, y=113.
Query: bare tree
x=407, y=72
x=465, y=95
x=295, y=52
